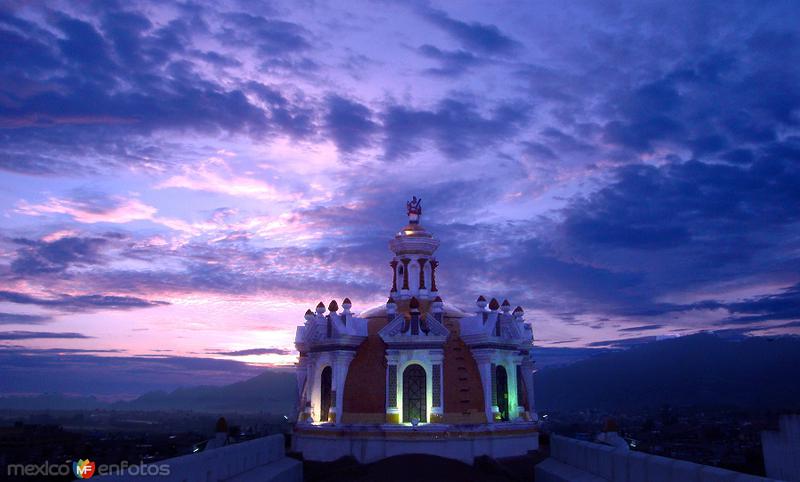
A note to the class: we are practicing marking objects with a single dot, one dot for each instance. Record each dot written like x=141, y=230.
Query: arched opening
x=502, y=391
x=414, y=394
x=325, y=394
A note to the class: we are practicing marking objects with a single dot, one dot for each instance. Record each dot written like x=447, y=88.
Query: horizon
x=549, y=360
x=180, y=182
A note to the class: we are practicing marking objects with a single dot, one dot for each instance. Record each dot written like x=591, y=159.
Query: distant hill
x=50, y=401
x=273, y=391
x=547, y=356
x=702, y=370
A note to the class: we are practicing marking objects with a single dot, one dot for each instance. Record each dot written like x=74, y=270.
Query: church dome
x=379, y=311
x=415, y=359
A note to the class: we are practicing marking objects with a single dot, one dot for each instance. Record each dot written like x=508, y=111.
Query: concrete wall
x=370, y=444
x=261, y=459
x=576, y=460
x=782, y=449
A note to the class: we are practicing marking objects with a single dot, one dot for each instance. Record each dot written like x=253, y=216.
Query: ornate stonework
x=415, y=358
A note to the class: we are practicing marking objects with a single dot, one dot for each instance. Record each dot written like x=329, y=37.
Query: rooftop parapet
x=497, y=325
x=334, y=329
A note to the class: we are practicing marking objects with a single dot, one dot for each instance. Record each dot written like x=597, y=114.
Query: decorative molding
x=494, y=384
x=393, y=333
x=436, y=383
x=392, y=386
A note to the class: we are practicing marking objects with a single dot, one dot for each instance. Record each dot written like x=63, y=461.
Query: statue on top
x=414, y=208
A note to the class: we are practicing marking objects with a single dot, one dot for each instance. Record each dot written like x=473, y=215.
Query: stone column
x=312, y=392
x=392, y=409
x=484, y=361
x=393, y=264
x=405, y=262
x=302, y=389
x=434, y=264
x=495, y=407
x=437, y=386
x=341, y=363
x=527, y=378
x=421, y=262
x=515, y=410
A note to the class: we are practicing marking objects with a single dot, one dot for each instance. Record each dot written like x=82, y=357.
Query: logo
x=83, y=469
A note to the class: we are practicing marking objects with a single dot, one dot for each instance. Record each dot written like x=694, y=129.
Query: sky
x=180, y=181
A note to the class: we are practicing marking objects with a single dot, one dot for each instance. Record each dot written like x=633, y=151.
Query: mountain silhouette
x=702, y=370
x=273, y=391
x=699, y=370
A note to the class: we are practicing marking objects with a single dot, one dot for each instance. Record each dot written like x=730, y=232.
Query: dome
x=379, y=311
x=414, y=239
x=413, y=359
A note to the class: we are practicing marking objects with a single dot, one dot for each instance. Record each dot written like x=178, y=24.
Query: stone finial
x=346, y=304
x=481, y=302
x=333, y=306
x=494, y=305
x=505, y=306
x=320, y=308
x=309, y=315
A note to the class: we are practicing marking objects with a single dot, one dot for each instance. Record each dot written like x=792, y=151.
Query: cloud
x=349, y=124
x=80, y=303
x=23, y=319
x=255, y=351
x=629, y=168
x=271, y=37
x=42, y=257
x=456, y=127
x=142, y=79
x=215, y=176
x=784, y=305
x=451, y=63
x=92, y=208
x=682, y=224
x=624, y=342
x=641, y=328
x=478, y=36
x=33, y=335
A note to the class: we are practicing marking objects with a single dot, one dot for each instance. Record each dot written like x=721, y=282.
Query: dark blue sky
x=180, y=181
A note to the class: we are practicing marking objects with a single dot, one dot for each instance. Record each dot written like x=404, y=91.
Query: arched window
x=415, y=401
x=502, y=391
x=325, y=394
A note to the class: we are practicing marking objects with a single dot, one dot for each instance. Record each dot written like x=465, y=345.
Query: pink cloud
x=122, y=210
x=221, y=180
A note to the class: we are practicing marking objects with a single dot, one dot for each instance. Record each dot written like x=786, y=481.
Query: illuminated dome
x=414, y=368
